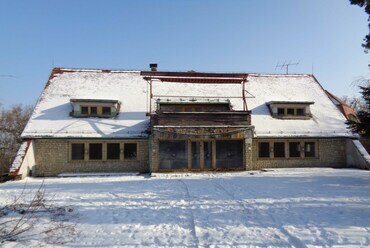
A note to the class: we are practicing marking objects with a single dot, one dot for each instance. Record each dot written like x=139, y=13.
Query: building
x=105, y=121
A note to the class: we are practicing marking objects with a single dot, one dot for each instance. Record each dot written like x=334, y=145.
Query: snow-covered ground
x=276, y=208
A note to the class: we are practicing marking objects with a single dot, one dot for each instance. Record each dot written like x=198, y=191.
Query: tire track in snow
x=191, y=215
x=295, y=241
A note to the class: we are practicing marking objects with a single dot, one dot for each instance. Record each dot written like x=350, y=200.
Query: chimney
x=153, y=67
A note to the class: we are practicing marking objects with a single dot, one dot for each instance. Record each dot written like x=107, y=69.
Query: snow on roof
x=326, y=120
x=51, y=115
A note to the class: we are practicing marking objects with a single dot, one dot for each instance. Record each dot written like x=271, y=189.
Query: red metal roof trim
x=199, y=80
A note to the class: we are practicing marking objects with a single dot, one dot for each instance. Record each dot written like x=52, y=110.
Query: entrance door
x=195, y=155
x=207, y=155
x=201, y=155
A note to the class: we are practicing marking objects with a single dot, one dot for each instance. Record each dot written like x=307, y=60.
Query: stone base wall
x=331, y=153
x=52, y=157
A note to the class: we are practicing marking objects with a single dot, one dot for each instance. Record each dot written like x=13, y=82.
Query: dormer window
x=290, y=110
x=95, y=108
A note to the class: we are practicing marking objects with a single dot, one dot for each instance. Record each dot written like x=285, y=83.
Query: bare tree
x=20, y=219
x=12, y=123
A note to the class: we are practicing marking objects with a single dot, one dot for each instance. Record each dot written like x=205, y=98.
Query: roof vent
x=153, y=67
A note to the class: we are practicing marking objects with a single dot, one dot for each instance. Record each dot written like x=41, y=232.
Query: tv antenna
x=286, y=65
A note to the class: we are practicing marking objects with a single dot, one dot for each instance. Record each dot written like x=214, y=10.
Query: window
x=288, y=149
x=106, y=150
x=78, y=151
x=106, y=111
x=229, y=154
x=84, y=110
x=130, y=151
x=93, y=110
x=264, y=150
x=279, y=150
x=309, y=149
x=173, y=154
x=281, y=111
x=290, y=111
x=113, y=151
x=300, y=112
x=95, y=151
x=294, y=149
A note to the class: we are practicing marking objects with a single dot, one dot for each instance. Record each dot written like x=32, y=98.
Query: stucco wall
x=331, y=153
x=28, y=161
x=52, y=158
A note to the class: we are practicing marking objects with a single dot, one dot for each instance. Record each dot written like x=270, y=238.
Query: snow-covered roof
x=51, y=115
x=326, y=120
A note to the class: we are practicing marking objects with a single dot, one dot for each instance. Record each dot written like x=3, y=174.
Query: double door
x=201, y=155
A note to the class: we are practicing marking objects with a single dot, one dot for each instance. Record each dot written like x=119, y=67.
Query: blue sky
x=231, y=36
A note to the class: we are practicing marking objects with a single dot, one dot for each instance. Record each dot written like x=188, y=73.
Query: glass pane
x=290, y=111
x=84, y=110
x=130, y=151
x=300, y=112
x=263, y=150
x=93, y=110
x=229, y=154
x=195, y=155
x=173, y=155
x=309, y=149
x=106, y=111
x=294, y=149
x=95, y=151
x=78, y=151
x=279, y=150
x=280, y=111
x=113, y=151
x=207, y=155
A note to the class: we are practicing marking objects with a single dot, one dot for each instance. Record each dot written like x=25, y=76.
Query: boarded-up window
x=229, y=154
x=130, y=150
x=294, y=149
x=95, y=151
x=309, y=149
x=263, y=150
x=173, y=154
x=113, y=151
x=279, y=150
x=78, y=151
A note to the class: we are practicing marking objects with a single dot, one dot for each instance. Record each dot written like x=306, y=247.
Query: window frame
x=104, y=151
x=71, y=151
x=130, y=143
x=287, y=142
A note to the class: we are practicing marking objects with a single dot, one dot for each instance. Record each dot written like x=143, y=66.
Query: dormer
x=290, y=109
x=103, y=108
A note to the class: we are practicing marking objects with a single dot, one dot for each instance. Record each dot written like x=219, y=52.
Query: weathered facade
x=103, y=121
x=54, y=157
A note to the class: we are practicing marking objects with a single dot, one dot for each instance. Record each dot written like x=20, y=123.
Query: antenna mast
x=286, y=65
